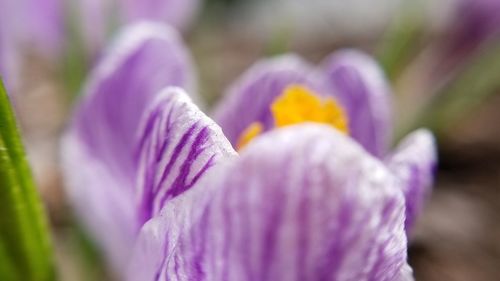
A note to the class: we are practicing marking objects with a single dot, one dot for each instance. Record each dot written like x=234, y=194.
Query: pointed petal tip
x=134, y=36
x=414, y=162
x=176, y=146
x=359, y=83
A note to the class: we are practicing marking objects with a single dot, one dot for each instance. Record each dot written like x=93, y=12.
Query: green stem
x=24, y=238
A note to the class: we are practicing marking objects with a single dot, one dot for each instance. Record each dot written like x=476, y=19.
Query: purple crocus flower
x=359, y=85
x=162, y=190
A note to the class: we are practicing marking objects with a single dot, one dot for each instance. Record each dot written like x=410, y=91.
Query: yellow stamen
x=296, y=105
x=252, y=131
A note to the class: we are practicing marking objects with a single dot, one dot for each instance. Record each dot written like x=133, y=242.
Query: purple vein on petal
x=177, y=146
x=259, y=202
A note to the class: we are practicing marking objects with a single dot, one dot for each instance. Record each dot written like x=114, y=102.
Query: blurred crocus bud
x=474, y=23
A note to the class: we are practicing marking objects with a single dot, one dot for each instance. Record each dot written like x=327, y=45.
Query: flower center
x=298, y=104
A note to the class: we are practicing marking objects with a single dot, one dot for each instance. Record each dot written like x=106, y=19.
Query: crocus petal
x=98, y=149
x=360, y=86
x=414, y=162
x=145, y=59
x=249, y=99
x=179, y=144
x=178, y=13
x=301, y=203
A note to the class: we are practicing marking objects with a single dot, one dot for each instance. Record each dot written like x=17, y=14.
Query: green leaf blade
x=25, y=249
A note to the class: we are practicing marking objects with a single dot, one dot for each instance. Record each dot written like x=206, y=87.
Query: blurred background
x=442, y=58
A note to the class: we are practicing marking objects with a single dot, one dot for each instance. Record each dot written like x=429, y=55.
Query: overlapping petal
x=98, y=148
x=248, y=99
x=300, y=203
x=414, y=163
x=360, y=86
x=178, y=145
x=144, y=59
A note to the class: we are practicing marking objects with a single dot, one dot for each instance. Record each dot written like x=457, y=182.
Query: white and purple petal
x=178, y=145
x=413, y=163
x=249, y=98
x=98, y=148
x=301, y=203
x=359, y=84
x=143, y=60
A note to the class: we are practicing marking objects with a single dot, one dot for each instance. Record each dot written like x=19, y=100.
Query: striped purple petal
x=360, y=86
x=301, y=203
x=249, y=99
x=143, y=60
x=178, y=144
x=98, y=148
x=414, y=163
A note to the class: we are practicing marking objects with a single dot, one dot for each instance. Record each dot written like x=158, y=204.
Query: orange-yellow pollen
x=299, y=104
x=252, y=131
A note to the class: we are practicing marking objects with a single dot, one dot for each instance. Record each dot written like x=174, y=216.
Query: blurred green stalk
x=402, y=40
x=25, y=248
x=471, y=87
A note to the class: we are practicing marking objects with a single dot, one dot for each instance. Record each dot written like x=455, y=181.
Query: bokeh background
x=443, y=61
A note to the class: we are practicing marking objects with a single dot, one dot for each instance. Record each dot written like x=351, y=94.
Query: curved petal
x=144, y=59
x=178, y=13
x=414, y=163
x=178, y=145
x=301, y=203
x=249, y=99
x=101, y=199
x=98, y=148
x=360, y=86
